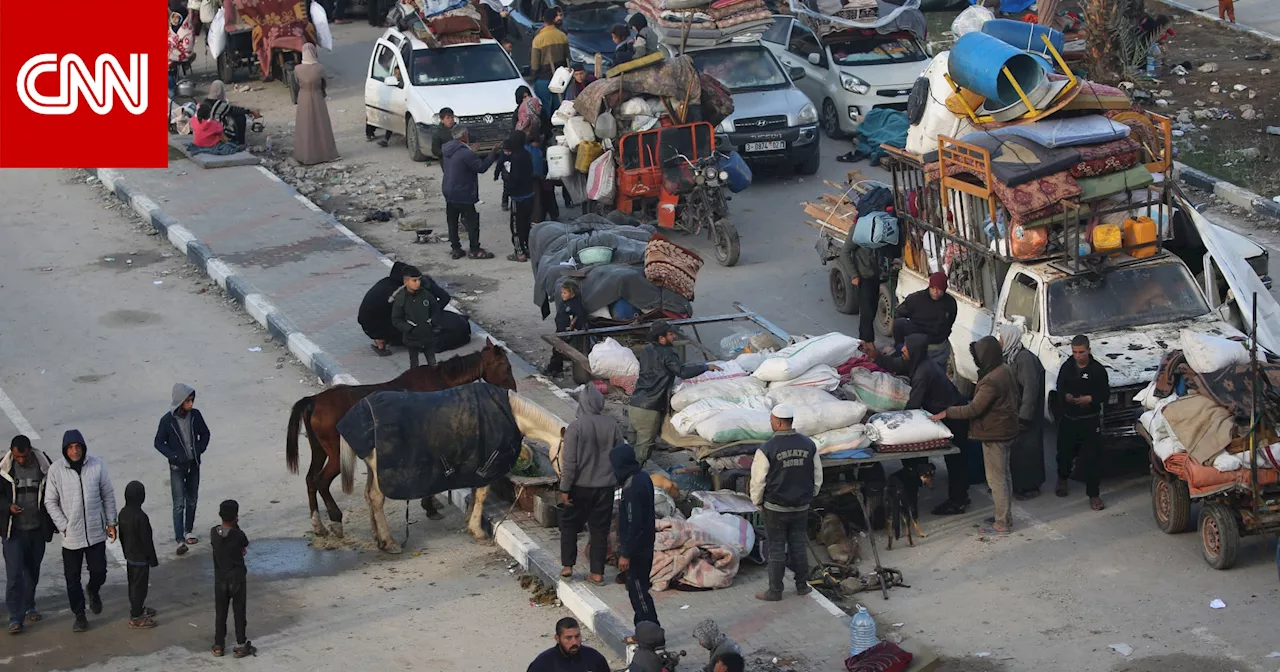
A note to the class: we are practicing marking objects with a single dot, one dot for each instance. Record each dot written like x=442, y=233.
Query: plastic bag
x=878, y=390
x=831, y=349
x=601, y=178
x=606, y=126
x=898, y=428
x=610, y=358
x=819, y=418
x=217, y=37
x=324, y=36
x=726, y=529
x=733, y=389
x=750, y=361
x=971, y=20
x=1207, y=354
x=820, y=376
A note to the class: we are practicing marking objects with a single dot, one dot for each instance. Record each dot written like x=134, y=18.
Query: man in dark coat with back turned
x=635, y=530
x=660, y=365
x=1083, y=387
x=375, y=311
x=786, y=475
x=414, y=308
x=461, y=190
x=864, y=274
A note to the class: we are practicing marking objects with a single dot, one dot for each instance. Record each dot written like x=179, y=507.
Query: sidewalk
x=302, y=275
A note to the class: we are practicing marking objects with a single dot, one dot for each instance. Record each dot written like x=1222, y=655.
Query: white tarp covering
x=799, y=8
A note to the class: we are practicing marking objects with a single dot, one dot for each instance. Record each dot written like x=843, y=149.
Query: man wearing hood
x=25, y=527
x=414, y=309
x=651, y=643
x=569, y=654
x=517, y=173
x=786, y=474
x=709, y=637
x=993, y=420
x=660, y=365
x=461, y=189
x=82, y=504
x=932, y=312
x=1026, y=458
x=137, y=544
x=1083, y=387
x=375, y=311
x=636, y=532
x=933, y=392
x=586, y=482
x=182, y=438
x=864, y=273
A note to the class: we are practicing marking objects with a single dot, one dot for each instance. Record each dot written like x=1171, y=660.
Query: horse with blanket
x=418, y=444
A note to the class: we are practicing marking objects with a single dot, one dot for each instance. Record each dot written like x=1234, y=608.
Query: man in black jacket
x=786, y=475
x=182, y=438
x=931, y=312
x=660, y=365
x=569, y=654
x=414, y=307
x=1083, y=388
x=517, y=175
x=864, y=273
x=375, y=311
x=25, y=527
x=635, y=530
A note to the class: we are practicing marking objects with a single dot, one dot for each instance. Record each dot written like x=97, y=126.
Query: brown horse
x=321, y=412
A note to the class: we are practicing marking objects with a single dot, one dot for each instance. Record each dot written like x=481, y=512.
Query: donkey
x=321, y=412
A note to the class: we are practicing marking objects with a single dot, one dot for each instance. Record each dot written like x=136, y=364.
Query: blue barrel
x=1025, y=36
x=976, y=63
x=738, y=170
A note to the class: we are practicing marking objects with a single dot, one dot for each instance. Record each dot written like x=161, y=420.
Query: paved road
x=1263, y=15
x=95, y=342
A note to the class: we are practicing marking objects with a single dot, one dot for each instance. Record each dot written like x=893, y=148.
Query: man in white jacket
x=82, y=504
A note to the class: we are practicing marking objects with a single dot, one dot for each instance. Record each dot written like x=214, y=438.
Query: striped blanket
x=670, y=266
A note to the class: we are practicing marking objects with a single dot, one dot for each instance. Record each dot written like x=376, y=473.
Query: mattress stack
x=704, y=23
x=440, y=23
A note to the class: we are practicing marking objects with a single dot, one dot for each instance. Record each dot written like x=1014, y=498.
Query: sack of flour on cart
x=844, y=440
x=686, y=421
x=610, y=358
x=739, y=424
x=1210, y=354
x=831, y=349
x=880, y=391
x=818, y=418
x=728, y=369
x=821, y=376
x=898, y=428
x=733, y=389
x=799, y=396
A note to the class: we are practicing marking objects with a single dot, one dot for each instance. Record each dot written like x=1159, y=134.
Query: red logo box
x=88, y=94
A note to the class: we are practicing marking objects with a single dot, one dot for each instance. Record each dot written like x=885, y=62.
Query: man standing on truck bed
x=550, y=50
x=931, y=312
x=1083, y=387
x=660, y=365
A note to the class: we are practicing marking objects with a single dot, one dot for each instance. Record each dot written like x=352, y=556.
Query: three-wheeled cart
x=241, y=22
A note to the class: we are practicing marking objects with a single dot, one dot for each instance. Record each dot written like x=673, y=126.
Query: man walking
x=182, y=438
x=635, y=530
x=25, y=527
x=549, y=50
x=414, y=308
x=1083, y=387
x=660, y=365
x=586, y=482
x=993, y=420
x=82, y=504
x=786, y=475
x=461, y=188
x=569, y=654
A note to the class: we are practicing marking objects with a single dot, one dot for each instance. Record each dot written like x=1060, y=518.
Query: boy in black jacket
x=139, y=554
x=230, y=578
x=635, y=530
x=518, y=181
x=1083, y=388
x=571, y=315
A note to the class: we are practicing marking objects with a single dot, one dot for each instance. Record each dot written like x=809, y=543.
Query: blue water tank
x=977, y=62
x=1024, y=36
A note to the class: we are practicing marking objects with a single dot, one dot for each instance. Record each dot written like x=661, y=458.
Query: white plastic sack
x=642, y=122
x=729, y=369
x=733, y=389
x=750, y=361
x=606, y=126
x=601, y=178
x=576, y=131
x=217, y=36
x=832, y=349
x=1207, y=354
x=1227, y=462
x=811, y=420
x=971, y=20
x=897, y=428
x=208, y=10
x=795, y=395
x=725, y=529
x=610, y=358
x=560, y=80
x=852, y=437
x=686, y=422
x=560, y=116
x=821, y=376
x=880, y=391
x=738, y=424
x=320, y=19
x=633, y=107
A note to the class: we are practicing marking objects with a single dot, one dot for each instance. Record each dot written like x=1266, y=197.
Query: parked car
x=851, y=72
x=586, y=25
x=408, y=83
x=772, y=121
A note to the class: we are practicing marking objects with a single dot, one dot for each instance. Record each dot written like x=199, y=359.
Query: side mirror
x=796, y=73
x=526, y=71
x=391, y=81
x=814, y=59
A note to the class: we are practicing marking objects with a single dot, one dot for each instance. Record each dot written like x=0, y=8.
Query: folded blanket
x=685, y=555
x=1201, y=425
x=1203, y=479
x=1028, y=202
x=1096, y=188
x=670, y=266
x=1107, y=158
x=668, y=17
x=738, y=7
x=742, y=18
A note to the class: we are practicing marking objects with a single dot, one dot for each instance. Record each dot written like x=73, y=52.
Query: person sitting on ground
x=579, y=82
x=729, y=661
x=571, y=315
x=625, y=49
x=206, y=132
x=709, y=637
x=138, y=546
x=932, y=312
x=234, y=120
x=586, y=482
x=461, y=190
x=518, y=180
x=414, y=309
x=569, y=654
x=375, y=311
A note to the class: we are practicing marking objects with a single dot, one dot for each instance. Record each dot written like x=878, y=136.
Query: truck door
x=1021, y=302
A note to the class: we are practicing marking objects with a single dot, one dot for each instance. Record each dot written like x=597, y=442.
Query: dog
x=901, y=500
x=832, y=534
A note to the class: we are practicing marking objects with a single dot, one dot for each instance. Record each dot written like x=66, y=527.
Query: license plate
x=765, y=146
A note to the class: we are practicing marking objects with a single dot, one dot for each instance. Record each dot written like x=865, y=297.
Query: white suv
x=849, y=73
x=409, y=83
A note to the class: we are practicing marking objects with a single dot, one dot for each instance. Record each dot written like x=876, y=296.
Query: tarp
x=891, y=17
x=881, y=126
x=430, y=442
x=277, y=24
x=1243, y=281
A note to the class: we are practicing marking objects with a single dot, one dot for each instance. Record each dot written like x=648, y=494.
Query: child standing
x=230, y=578
x=139, y=554
x=1227, y=10
x=571, y=315
x=518, y=181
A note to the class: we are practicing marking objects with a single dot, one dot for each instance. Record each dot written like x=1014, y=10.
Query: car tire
x=830, y=120
x=810, y=165
x=412, y=141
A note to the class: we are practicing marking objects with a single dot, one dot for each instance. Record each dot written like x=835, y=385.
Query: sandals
x=596, y=579
x=182, y=548
x=244, y=650
x=480, y=254
x=566, y=572
x=382, y=352
x=15, y=628
x=218, y=651
x=1097, y=504
x=149, y=612
x=142, y=623
x=192, y=539
x=457, y=253
x=34, y=616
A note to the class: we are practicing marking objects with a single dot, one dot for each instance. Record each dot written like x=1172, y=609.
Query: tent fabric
x=430, y=442
x=881, y=127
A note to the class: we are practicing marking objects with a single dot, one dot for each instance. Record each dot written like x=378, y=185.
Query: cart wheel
x=725, y=236
x=842, y=293
x=291, y=80
x=1219, y=535
x=226, y=69
x=884, y=310
x=1170, y=504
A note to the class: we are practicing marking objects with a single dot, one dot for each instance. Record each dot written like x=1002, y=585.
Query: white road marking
x=15, y=416
x=270, y=175
x=307, y=202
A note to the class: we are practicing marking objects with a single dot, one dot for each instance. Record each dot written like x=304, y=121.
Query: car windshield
x=741, y=69
x=1123, y=298
x=878, y=50
x=461, y=65
x=594, y=17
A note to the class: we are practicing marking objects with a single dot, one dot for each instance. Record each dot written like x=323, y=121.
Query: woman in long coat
x=1026, y=458
x=313, y=133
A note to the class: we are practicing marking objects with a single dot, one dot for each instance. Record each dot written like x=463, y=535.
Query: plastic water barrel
x=977, y=63
x=1138, y=230
x=1024, y=36
x=737, y=169
x=1106, y=237
x=862, y=632
x=559, y=162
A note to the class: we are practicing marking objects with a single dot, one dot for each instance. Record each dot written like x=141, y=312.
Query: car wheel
x=831, y=120
x=842, y=292
x=411, y=140
x=810, y=165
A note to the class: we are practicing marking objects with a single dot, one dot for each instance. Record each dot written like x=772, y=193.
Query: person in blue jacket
x=635, y=530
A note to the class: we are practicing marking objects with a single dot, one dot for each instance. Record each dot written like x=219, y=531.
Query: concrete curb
x=1237, y=196
x=1234, y=26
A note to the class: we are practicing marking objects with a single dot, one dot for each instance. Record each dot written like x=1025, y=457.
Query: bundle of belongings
x=830, y=18
x=440, y=23
x=704, y=23
x=1199, y=409
x=277, y=24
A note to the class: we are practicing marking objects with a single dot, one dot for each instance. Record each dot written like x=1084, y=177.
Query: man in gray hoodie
x=182, y=438
x=82, y=504
x=586, y=482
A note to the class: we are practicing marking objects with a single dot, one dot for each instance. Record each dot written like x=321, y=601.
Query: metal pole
x=1253, y=412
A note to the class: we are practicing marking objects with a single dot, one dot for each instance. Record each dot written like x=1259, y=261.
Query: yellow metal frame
x=1072, y=82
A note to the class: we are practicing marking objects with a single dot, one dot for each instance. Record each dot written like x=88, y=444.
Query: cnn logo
x=101, y=87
